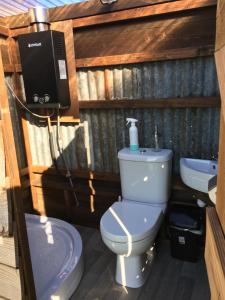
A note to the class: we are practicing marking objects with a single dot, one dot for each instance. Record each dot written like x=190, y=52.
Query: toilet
x=129, y=227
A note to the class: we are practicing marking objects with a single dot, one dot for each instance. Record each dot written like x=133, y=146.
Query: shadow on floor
x=169, y=279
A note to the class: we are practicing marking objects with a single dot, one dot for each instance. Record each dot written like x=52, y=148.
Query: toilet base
x=133, y=271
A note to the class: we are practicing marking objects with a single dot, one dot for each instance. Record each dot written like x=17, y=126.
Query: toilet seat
x=126, y=220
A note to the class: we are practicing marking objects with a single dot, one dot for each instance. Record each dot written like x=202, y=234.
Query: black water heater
x=44, y=69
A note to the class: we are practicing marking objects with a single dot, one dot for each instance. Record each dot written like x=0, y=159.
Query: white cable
x=24, y=106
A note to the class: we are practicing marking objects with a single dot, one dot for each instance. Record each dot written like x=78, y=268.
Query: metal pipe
x=39, y=18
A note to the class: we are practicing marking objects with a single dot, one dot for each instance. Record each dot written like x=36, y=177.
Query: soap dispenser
x=133, y=133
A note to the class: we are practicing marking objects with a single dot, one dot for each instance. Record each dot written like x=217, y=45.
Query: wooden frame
x=203, y=102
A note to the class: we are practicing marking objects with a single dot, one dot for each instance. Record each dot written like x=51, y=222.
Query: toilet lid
x=128, y=219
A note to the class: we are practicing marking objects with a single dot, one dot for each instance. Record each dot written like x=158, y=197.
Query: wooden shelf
x=196, y=102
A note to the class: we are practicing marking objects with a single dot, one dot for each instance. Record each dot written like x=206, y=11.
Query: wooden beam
x=203, y=102
x=94, y=7
x=143, y=12
x=102, y=176
x=17, y=21
x=4, y=31
x=18, y=90
x=142, y=57
x=103, y=61
x=78, y=10
x=57, y=183
x=72, y=114
x=17, y=31
x=9, y=68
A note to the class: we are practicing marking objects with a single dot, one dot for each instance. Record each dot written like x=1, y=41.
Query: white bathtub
x=56, y=254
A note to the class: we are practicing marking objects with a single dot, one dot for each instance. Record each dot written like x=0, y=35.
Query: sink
x=196, y=173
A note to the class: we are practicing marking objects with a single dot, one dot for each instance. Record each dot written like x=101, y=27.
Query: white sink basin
x=196, y=173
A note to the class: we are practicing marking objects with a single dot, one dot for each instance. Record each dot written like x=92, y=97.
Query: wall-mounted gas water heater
x=44, y=66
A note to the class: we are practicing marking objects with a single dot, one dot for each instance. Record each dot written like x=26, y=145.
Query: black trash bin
x=186, y=230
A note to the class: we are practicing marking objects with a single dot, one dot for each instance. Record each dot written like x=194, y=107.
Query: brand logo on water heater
x=34, y=45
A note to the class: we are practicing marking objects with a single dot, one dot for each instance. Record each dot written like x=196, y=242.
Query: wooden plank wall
x=174, y=36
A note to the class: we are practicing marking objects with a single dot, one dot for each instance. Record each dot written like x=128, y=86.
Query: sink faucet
x=156, y=139
x=214, y=157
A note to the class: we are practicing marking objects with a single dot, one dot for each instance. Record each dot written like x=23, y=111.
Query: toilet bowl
x=129, y=229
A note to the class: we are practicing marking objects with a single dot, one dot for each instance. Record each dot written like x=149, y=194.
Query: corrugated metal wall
x=179, y=78
x=17, y=129
x=93, y=144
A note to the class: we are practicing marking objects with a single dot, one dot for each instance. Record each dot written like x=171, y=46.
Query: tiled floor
x=169, y=279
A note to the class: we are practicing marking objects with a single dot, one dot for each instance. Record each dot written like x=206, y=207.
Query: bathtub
x=56, y=255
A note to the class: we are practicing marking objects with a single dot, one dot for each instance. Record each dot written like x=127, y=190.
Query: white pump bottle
x=133, y=133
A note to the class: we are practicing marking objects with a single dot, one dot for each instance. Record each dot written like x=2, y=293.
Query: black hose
x=51, y=144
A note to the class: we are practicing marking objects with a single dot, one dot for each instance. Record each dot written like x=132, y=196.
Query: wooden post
x=15, y=187
x=18, y=90
x=72, y=114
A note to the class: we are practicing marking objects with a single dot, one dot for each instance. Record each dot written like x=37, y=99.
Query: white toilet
x=129, y=227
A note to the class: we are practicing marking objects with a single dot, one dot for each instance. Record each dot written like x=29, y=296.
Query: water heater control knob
x=47, y=98
x=35, y=98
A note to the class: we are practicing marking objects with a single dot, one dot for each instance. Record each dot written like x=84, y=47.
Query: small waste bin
x=186, y=230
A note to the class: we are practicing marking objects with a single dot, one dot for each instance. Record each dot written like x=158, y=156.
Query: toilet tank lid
x=146, y=154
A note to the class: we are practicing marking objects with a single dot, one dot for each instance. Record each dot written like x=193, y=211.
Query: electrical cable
x=61, y=152
x=24, y=106
x=51, y=140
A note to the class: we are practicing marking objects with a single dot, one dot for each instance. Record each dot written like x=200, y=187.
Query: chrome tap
x=156, y=139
